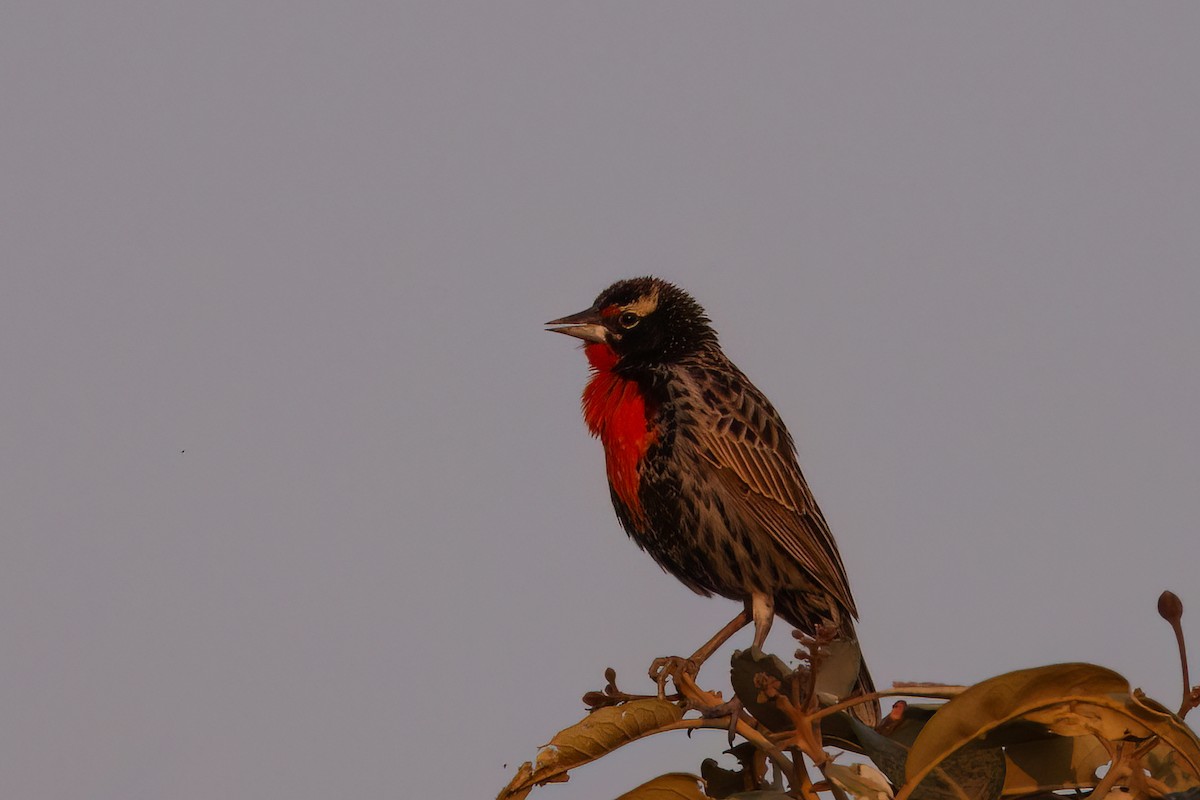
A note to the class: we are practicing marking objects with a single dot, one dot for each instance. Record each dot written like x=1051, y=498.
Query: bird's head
x=641, y=321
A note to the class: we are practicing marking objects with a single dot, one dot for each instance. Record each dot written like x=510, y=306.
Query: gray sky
x=298, y=502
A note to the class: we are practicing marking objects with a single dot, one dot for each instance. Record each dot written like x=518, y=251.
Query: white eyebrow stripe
x=644, y=305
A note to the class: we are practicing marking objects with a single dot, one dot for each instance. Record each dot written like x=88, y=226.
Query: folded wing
x=753, y=454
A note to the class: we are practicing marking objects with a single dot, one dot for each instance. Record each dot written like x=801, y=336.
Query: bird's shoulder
x=737, y=426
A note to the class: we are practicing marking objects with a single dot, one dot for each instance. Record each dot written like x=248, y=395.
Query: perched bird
x=702, y=472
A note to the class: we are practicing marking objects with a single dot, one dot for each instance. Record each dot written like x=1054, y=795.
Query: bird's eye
x=628, y=320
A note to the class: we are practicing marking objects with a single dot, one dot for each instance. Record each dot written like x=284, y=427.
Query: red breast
x=617, y=412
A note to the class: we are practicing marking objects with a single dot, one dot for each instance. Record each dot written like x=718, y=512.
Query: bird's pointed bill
x=587, y=325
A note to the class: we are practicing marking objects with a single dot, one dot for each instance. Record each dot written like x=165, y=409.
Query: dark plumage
x=703, y=472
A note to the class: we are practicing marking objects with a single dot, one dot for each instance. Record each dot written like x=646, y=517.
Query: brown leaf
x=745, y=666
x=987, y=705
x=720, y=782
x=839, y=669
x=672, y=786
x=860, y=781
x=595, y=735
x=975, y=772
x=1070, y=699
x=1165, y=766
x=1060, y=762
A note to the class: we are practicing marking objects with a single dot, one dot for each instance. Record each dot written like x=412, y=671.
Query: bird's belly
x=707, y=551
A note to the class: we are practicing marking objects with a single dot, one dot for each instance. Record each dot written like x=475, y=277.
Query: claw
x=731, y=708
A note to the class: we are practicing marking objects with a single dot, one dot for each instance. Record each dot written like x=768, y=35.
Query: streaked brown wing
x=752, y=451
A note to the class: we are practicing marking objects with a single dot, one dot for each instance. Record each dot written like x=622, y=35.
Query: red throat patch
x=616, y=411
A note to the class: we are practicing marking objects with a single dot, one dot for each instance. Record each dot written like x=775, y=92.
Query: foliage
x=1030, y=734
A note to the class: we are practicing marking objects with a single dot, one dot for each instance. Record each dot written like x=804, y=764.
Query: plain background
x=297, y=502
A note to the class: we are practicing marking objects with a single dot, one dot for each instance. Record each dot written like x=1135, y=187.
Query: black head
x=644, y=321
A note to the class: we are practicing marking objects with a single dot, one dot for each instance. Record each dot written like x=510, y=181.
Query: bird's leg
x=762, y=608
x=722, y=636
x=663, y=668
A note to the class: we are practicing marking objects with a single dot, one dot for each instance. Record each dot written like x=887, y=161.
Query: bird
x=703, y=473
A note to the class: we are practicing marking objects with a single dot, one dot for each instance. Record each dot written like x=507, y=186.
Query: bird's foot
x=730, y=708
x=671, y=667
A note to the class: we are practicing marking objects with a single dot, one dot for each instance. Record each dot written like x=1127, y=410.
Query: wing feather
x=754, y=456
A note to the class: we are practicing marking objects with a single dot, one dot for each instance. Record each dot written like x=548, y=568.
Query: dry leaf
x=595, y=735
x=672, y=786
x=1046, y=765
x=1069, y=698
x=862, y=781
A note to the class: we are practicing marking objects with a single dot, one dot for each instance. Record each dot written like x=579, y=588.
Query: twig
x=744, y=730
x=803, y=783
x=936, y=692
x=1116, y=768
x=1170, y=608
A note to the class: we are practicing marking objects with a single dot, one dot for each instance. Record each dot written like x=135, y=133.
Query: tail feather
x=868, y=713
x=844, y=674
x=844, y=658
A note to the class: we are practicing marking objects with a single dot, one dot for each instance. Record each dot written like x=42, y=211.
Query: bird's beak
x=587, y=325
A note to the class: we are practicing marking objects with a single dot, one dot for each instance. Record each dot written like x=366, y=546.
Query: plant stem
x=745, y=731
x=946, y=692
